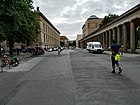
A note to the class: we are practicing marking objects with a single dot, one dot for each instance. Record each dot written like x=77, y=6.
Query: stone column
x=113, y=33
x=103, y=40
x=109, y=38
x=125, y=37
x=132, y=36
x=106, y=37
x=118, y=35
x=101, y=36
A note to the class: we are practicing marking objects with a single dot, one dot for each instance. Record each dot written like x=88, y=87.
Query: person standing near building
x=115, y=47
x=59, y=50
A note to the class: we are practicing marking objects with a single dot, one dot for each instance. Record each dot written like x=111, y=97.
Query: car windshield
x=97, y=45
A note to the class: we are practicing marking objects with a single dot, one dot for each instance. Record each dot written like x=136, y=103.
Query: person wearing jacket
x=115, y=47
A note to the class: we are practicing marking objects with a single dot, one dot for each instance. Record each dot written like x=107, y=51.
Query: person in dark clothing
x=115, y=47
x=17, y=49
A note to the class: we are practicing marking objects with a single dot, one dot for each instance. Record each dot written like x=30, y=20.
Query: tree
x=138, y=37
x=108, y=19
x=18, y=22
x=74, y=43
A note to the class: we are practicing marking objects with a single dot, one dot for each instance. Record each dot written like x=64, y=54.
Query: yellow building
x=91, y=25
x=49, y=36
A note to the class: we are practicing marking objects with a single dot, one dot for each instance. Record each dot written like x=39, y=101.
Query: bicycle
x=14, y=61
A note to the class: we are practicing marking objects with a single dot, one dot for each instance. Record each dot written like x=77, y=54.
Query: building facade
x=49, y=36
x=91, y=25
x=79, y=37
x=123, y=30
x=64, y=41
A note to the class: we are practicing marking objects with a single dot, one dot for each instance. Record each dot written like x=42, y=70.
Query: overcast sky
x=68, y=16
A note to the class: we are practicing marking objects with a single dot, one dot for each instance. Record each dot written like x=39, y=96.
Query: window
x=46, y=28
x=90, y=45
x=43, y=27
x=44, y=37
x=97, y=46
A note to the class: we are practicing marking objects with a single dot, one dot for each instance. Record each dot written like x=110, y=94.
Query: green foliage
x=74, y=43
x=1, y=34
x=138, y=36
x=138, y=30
x=108, y=19
x=18, y=22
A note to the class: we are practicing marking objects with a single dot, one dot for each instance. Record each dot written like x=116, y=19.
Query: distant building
x=79, y=37
x=91, y=25
x=64, y=41
x=49, y=36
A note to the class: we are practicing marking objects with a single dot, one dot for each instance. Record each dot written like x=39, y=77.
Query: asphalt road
x=76, y=77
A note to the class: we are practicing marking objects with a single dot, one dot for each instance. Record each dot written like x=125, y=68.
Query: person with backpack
x=115, y=47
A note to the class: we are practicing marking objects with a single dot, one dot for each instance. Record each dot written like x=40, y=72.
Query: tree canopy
x=18, y=22
x=108, y=19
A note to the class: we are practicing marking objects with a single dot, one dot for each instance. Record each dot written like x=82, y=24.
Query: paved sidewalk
x=124, y=54
x=24, y=65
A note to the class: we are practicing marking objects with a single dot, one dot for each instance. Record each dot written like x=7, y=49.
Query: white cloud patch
x=69, y=15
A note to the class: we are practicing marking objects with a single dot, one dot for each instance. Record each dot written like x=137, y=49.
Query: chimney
x=37, y=8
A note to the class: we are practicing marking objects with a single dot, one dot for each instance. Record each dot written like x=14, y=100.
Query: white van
x=94, y=47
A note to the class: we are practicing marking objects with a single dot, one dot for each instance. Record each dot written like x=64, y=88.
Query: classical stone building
x=91, y=24
x=49, y=36
x=123, y=30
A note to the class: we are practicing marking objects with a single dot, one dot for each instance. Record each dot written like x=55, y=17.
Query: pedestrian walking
x=59, y=50
x=17, y=50
x=115, y=47
x=121, y=49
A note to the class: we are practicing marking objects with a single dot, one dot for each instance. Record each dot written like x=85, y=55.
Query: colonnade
x=124, y=34
x=123, y=30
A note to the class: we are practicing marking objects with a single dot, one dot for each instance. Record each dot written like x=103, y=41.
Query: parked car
x=50, y=50
x=55, y=49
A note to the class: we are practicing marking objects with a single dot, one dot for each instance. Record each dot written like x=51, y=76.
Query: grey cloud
x=52, y=8
x=70, y=27
x=77, y=10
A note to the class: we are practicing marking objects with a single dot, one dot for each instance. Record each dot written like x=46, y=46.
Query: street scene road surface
x=75, y=77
